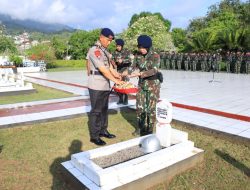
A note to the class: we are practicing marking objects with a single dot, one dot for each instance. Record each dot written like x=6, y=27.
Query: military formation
x=231, y=62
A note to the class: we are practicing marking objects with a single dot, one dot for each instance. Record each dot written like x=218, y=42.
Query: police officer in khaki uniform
x=101, y=72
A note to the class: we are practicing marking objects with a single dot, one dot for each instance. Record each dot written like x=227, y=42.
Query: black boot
x=125, y=99
x=149, y=127
x=120, y=101
x=138, y=128
x=143, y=130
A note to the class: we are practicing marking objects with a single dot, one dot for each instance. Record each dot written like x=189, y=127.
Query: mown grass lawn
x=30, y=155
x=67, y=65
x=43, y=93
x=59, y=69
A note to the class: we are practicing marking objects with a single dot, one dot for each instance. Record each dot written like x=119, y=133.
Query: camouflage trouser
x=172, y=64
x=179, y=65
x=248, y=67
x=228, y=67
x=203, y=65
x=185, y=65
x=209, y=64
x=167, y=62
x=162, y=65
x=194, y=65
x=191, y=65
x=237, y=66
x=146, y=108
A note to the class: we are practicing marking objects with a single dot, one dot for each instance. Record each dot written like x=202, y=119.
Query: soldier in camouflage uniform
x=213, y=62
x=122, y=61
x=167, y=60
x=162, y=57
x=191, y=62
x=195, y=61
x=247, y=60
x=179, y=60
x=203, y=60
x=234, y=58
x=238, y=62
x=209, y=61
x=228, y=62
x=198, y=64
x=219, y=59
x=148, y=63
x=172, y=60
x=186, y=59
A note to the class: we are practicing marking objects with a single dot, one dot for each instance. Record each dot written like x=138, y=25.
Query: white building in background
x=23, y=41
x=34, y=43
x=4, y=60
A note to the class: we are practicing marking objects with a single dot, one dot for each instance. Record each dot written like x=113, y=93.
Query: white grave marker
x=164, y=111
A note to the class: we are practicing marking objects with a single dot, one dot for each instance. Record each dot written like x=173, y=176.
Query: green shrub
x=16, y=60
x=50, y=65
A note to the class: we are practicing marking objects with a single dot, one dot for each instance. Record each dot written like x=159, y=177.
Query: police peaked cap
x=119, y=42
x=144, y=41
x=107, y=33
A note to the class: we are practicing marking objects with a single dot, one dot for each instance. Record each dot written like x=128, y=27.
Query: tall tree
x=179, y=38
x=44, y=52
x=60, y=46
x=152, y=26
x=81, y=41
x=136, y=17
x=16, y=60
x=7, y=45
x=226, y=26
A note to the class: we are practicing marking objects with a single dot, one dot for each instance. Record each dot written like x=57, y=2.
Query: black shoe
x=107, y=135
x=125, y=103
x=98, y=141
x=119, y=102
x=125, y=99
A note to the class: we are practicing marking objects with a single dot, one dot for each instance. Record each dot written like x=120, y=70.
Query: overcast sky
x=115, y=14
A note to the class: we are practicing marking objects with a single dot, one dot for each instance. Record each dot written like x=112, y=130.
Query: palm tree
x=233, y=39
x=202, y=41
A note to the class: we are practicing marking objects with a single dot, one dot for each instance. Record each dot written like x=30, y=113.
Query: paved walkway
x=221, y=103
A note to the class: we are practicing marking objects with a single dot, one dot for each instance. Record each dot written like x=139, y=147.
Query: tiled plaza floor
x=221, y=103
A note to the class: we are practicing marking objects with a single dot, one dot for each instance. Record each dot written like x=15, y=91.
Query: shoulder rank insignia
x=97, y=53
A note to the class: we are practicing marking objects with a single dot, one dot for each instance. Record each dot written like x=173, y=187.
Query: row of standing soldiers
x=234, y=62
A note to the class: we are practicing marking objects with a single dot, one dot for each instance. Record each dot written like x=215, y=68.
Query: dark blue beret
x=107, y=33
x=144, y=41
x=119, y=42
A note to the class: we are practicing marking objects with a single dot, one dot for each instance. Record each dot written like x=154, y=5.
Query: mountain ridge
x=28, y=25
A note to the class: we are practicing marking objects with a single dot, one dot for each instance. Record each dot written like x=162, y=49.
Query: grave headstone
x=164, y=117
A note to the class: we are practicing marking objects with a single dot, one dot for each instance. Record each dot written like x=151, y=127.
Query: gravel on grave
x=119, y=157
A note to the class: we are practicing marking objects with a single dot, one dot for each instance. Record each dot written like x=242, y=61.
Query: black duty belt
x=157, y=76
x=95, y=73
x=153, y=77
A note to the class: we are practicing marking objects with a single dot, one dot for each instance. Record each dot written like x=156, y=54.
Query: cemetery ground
x=42, y=93
x=30, y=155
